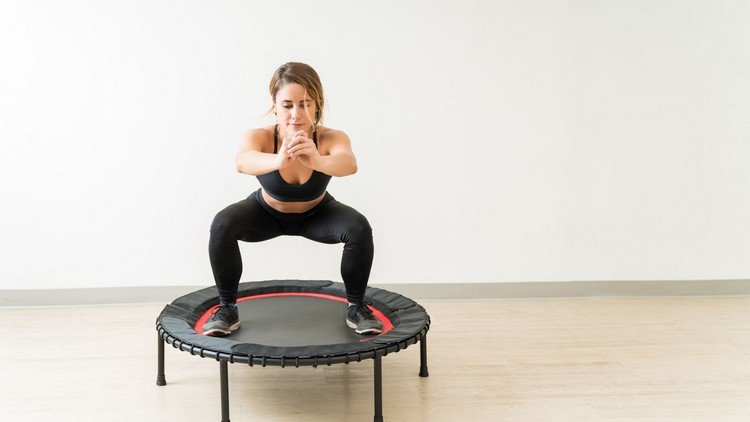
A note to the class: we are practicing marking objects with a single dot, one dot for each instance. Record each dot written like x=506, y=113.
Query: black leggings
x=253, y=220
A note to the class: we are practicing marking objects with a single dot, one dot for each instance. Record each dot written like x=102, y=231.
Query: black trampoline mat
x=288, y=321
x=292, y=322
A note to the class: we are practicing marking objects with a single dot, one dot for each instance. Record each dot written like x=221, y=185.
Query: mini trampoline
x=292, y=323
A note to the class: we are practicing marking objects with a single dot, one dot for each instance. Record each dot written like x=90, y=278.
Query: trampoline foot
x=423, y=372
x=224, y=391
x=160, y=379
x=378, y=390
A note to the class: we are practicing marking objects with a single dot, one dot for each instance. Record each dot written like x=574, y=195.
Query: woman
x=293, y=161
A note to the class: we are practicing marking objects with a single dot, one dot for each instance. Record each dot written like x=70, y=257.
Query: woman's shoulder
x=260, y=139
x=261, y=132
x=327, y=133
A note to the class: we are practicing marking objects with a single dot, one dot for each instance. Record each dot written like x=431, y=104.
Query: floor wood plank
x=666, y=359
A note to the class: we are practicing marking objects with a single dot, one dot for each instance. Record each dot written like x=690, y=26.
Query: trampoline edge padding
x=176, y=324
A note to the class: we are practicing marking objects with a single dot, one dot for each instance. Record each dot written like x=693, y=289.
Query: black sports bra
x=280, y=190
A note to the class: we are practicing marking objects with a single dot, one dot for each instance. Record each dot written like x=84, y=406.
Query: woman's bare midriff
x=290, y=207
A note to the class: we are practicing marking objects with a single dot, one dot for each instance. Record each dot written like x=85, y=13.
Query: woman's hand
x=283, y=157
x=303, y=148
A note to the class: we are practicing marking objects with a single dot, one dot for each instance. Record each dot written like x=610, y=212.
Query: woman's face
x=294, y=111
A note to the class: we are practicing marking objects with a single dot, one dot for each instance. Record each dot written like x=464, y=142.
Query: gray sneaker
x=362, y=320
x=224, y=320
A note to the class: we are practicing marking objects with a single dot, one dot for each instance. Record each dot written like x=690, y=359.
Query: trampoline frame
x=211, y=298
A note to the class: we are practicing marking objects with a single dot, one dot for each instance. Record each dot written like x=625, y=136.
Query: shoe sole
x=367, y=331
x=216, y=332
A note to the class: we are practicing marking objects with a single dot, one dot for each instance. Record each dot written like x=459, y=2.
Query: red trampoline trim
x=387, y=324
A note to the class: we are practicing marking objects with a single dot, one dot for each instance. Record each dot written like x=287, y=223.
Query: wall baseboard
x=573, y=289
x=417, y=291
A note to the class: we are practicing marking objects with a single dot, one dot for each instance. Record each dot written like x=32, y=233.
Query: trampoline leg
x=378, y=390
x=224, y=391
x=160, y=379
x=423, y=357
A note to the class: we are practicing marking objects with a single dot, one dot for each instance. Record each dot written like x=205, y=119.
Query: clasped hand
x=298, y=146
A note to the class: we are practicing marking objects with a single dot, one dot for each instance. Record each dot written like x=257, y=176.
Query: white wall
x=497, y=140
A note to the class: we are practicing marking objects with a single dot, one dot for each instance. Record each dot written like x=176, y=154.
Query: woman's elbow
x=353, y=165
x=244, y=168
x=350, y=167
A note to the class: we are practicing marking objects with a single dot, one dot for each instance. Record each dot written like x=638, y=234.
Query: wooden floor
x=666, y=359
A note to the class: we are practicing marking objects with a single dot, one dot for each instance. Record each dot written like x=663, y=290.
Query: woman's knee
x=222, y=223
x=357, y=227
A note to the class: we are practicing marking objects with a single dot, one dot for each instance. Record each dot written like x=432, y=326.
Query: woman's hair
x=299, y=73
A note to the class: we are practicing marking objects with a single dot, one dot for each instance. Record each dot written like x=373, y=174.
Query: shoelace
x=363, y=311
x=219, y=312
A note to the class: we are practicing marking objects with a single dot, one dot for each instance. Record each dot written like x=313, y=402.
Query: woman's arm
x=340, y=160
x=253, y=161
